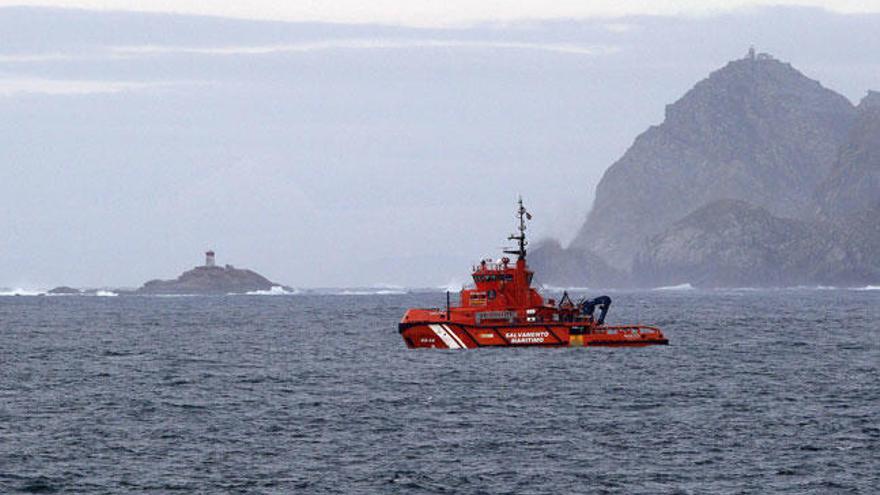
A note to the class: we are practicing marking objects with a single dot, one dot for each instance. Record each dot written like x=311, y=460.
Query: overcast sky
x=347, y=154
x=446, y=13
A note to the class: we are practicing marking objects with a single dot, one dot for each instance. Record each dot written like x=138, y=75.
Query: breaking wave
x=368, y=292
x=276, y=290
x=381, y=286
x=773, y=289
x=22, y=292
x=452, y=286
x=869, y=287
x=106, y=293
x=675, y=287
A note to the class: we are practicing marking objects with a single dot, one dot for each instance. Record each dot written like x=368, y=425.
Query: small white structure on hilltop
x=753, y=55
x=209, y=258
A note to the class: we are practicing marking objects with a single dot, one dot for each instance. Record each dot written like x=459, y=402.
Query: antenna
x=523, y=215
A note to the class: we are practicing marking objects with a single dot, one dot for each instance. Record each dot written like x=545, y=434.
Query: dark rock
x=857, y=235
x=573, y=267
x=756, y=130
x=758, y=176
x=64, y=290
x=854, y=183
x=210, y=280
x=731, y=243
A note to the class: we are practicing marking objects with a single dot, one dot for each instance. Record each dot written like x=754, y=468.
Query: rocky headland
x=64, y=291
x=207, y=279
x=758, y=176
x=210, y=280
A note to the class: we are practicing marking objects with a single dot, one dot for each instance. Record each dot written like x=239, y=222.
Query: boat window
x=477, y=299
x=506, y=277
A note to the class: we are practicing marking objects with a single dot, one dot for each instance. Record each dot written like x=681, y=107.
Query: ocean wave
x=553, y=288
x=22, y=292
x=381, y=286
x=369, y=292
x=105, y=293
x=452, y=286
x=357, y=291
x=774, y=289
x=675, y=287
x=869, y=287
x=169, y=295
x=276, y=290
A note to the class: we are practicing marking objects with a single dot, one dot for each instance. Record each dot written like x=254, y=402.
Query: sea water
x=759, y=392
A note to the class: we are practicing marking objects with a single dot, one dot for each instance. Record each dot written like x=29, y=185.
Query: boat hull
x=452, y=335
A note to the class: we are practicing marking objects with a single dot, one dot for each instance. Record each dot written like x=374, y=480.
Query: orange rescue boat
x=502, y=309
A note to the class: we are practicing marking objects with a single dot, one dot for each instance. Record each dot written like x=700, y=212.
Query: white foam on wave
x=105, y=293
x=373, y=292
x=869, y=287
x=381, y=286
x=276, y=290
x=23, y=292
x=675, y=287
x=553, y=288
x=452, y=286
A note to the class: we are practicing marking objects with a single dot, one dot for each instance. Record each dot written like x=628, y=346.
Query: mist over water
x=759, y=392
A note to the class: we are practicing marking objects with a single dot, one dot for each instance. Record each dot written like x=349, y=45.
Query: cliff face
x=854, y=183
x=573, y=267
x=731, y=243
x=209, y=280
x=758, y=176
x=735, y=244
x=756, y=130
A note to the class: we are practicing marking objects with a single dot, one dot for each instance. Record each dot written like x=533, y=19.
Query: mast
x=523, y=215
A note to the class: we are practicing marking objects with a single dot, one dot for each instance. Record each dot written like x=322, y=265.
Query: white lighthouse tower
x=209, y=258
